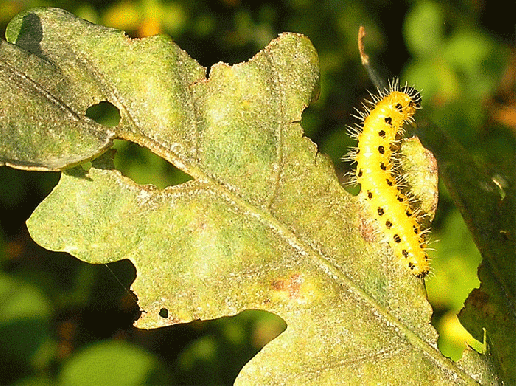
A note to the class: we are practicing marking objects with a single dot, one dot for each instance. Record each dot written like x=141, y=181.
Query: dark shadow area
x=31, y=35
x=211, y=352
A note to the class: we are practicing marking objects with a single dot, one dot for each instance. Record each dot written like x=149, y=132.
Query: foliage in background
x=457, y=64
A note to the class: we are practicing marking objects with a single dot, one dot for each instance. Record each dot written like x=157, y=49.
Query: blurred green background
x=66, y=322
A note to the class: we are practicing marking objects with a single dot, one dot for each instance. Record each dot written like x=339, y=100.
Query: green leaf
x=49, y=77
x=25, y=314
x=488, y=204
x=263, y=224
x=113, y=363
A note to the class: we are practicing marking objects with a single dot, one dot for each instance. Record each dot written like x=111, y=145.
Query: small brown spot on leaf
x=291, y=285
x=367, y=230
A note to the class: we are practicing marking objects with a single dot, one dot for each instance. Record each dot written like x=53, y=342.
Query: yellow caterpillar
x=377, y=136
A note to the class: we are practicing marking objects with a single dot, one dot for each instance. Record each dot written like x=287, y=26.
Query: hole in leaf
x=104, y=113
x=163, y=313
x=144, y=167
